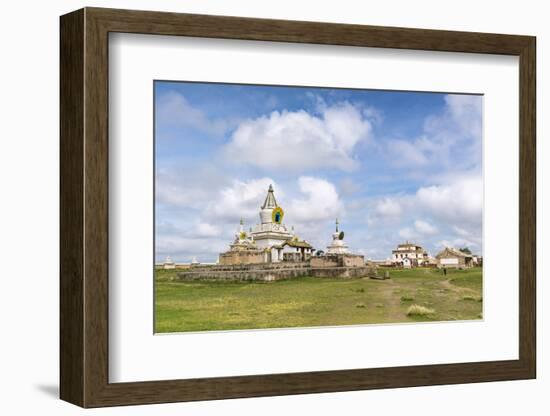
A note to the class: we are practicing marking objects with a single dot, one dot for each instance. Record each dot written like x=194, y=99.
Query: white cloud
x=311, y=208
x=204, y=229
x=348, y=186
x=421, y=229
x=373, y=114
x=183, y=247
x=451, y=139
x=469, y=236
x=387, y=208
x=200, y=212
x=407, y=233
x=447, y=213
x=460, y=202
x=459, y=243
x=173, y=109
x=460, y=231
x=241, y=199
x=188, y=186
x=404, y=153
x=461, y=119
x=385, y=211
x=424, y=228
x=321, y=201
x=299, y=141
x=465, y=112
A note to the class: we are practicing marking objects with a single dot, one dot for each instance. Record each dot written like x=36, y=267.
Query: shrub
x=418, y=310
x=360, y=305
x=406, y=298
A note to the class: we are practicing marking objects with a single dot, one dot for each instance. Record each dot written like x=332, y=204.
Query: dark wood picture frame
x=84, y=207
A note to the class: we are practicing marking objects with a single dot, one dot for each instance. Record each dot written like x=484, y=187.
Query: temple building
x=410, y=255
x=270, y=241
x=243, y=250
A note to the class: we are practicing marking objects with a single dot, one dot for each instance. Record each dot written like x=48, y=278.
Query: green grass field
x=409, y=296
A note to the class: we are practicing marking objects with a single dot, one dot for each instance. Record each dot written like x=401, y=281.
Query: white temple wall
x=268, y=242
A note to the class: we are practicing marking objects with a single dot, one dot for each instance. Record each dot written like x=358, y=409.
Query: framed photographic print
x=255, y=207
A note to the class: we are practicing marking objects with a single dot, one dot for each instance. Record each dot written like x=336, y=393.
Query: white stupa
x=271, y=231
x=243, y=240
x=169, y=263
x=337, y=246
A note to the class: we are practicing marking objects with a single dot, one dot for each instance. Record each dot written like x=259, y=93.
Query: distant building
x=168, y=263
x=477, y=260
x=409, y=255
x=452, y=258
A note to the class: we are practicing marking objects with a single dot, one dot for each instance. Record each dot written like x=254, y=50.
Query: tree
x=465, y=250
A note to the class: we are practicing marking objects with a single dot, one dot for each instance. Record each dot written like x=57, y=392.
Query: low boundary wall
x=273, y=272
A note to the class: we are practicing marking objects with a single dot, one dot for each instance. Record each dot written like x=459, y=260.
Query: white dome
x=337, y=245
x=266, y=215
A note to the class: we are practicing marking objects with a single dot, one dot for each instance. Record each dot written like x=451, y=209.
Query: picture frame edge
x=84, y=211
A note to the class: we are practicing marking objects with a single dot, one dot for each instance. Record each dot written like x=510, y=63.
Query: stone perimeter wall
x=273, y=272
x=338, y=260
x=242, y=257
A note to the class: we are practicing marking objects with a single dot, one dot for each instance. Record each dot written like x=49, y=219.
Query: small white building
x=409, y=255
x=452, y=258
x=168, y=263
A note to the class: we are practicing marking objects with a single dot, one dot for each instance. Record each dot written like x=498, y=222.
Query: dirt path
x=391, y=300
x=448, y=285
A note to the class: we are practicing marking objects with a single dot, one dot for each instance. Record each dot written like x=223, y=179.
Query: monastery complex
x=272, y=251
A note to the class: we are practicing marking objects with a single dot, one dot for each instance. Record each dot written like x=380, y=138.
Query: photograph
x=299, y=206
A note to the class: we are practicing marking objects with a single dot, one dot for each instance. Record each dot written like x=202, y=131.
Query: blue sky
x=392, y=166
